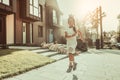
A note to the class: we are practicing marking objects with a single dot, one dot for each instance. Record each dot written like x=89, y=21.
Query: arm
x=74, y=34
x=67, y=36
x=80, y=34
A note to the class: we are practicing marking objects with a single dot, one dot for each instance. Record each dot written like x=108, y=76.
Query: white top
x=70, y=31
x=71, y=42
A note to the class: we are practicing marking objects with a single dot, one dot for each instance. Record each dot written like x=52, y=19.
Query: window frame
x=9, y=4
x=61, y=20
x=55, y=17
x=40, y=31
x=40, y=12
x=33, y=7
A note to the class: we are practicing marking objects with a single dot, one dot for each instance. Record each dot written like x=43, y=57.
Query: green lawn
x=14, y=62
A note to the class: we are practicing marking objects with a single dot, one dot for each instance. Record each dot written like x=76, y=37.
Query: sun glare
x=84, y=8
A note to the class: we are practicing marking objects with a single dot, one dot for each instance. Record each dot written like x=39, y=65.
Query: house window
x=34, y=7
x=54, y=17
x=6, y=2
x=40, y=31
x=40, y=12
x=35, y=3
x=31, y=1
x=61, y=20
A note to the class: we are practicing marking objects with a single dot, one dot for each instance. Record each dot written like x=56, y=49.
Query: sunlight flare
x=85, y=8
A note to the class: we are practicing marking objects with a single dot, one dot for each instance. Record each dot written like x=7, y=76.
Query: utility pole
x=97, y=22
x=118, y=17
x=101, y=28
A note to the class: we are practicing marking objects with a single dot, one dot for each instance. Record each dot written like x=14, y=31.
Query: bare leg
x=71, y=62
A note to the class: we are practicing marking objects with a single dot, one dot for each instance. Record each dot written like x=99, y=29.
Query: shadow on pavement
x=70, y=76
x=75, y=77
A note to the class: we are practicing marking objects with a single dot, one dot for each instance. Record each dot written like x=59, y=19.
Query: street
x=92, y=65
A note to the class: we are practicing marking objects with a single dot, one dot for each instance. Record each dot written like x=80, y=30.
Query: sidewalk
x=23, y=47
x=91, y=66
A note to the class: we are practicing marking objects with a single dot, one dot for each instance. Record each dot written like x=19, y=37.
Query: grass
x=7, y=51
x=13, y=62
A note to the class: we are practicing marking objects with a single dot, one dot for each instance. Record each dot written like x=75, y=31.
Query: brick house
x=28, y=12
x=27, y=22
x=53, y=21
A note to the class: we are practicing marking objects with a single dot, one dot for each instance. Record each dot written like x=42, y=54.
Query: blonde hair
x=72, y=17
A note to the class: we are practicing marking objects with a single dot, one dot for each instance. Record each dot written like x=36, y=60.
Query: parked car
x=113, y=41
x=118, y=45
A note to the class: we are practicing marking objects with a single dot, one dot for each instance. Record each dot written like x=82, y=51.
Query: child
x=70, y=35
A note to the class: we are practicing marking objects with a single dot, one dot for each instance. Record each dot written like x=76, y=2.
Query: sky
x=79, y=8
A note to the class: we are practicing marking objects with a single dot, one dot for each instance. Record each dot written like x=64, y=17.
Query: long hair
x=71, y=17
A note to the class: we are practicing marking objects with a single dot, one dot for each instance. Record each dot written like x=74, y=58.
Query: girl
x=70, y=35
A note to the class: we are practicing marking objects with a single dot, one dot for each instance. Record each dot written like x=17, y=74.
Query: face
x=71, y=22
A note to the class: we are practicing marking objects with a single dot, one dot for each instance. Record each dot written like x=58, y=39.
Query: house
x=28, y=12
x=29, y=22
x=18, y=21
x=53, y=21
x=39, y=30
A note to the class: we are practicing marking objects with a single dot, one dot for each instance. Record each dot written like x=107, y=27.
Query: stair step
x=40, y=50
x=23, y=47
x=49, y=54
x=59, y=57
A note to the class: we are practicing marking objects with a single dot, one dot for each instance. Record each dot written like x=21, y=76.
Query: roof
x=53, y=4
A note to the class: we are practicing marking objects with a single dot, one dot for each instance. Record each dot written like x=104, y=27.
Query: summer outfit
x=71, y=42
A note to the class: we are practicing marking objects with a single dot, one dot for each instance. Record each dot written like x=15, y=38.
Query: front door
x=51, y=37
x=2, y=30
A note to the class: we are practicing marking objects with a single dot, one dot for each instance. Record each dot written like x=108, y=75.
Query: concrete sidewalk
x=24, y=47
x=91, y=66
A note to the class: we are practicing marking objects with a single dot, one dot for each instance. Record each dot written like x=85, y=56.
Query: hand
x=73, y=35
x=83, y=40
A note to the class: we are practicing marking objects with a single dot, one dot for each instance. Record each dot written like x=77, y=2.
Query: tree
x=118, y=17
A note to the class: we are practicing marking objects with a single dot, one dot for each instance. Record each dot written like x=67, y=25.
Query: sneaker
x=69, y=69
x=74, y=66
